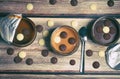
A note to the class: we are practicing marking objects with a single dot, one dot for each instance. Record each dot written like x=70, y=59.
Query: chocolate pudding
x=64, y=40
x=105, y=31
x=25, y=33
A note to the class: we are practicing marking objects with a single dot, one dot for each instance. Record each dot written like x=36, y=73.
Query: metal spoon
x=83, y=35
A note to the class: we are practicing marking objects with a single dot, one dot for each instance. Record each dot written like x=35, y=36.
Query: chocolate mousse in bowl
x=64, y=40
x=105, y=31
x=25, y=33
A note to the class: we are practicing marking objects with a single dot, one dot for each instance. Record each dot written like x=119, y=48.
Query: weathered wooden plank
x=52, y=76
x=42, y=7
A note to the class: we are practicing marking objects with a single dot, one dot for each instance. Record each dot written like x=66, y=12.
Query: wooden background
x=81, y=12
x=62, y=7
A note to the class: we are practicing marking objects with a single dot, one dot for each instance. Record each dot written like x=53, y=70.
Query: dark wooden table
x=42, y=10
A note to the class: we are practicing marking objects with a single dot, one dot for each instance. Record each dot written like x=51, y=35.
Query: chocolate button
x=96, y=64
x=110, y=3
x=107, y=22
x=52, y=2
x=10, y=51
x=71, y=40
x=99, y=29
x=45, y=53
x=25, y=31
x=112, y=30
x=39, y=28
x=74, y=2
x=89, y=52
x=17, y=59
x=29, y=61
x=63, y=34
x=62, y=47
x=106, y=36
x=53, y=60
x=72, y=62
x=29, y=7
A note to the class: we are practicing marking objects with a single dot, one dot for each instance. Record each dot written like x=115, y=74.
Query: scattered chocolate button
x=29, y=61
x=63, y=34
x=74, y=2
x=41, y=42
x=71, y=40
x=29, y=6
x=17, y=59
x=106, y=36
x=96, y=64
x=72, y=62
x=52, y=2
x=54, y=60
x=107, y=22
x=45, y=53
x=39, y=28
x=99, y=29
x=112, y=30
x=45, y=33
x=10, y=51
x=62, y=47
x=89, y=52
x=110, y=3
x=93, y=7
x=22, y=54
x=26, y=32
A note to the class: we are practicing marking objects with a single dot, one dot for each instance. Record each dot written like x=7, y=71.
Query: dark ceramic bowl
x=105, y=31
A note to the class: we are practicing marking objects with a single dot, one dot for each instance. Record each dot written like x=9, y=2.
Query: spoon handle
x=82, y=57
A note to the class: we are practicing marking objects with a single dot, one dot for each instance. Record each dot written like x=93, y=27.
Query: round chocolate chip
x=62, y=47
x=96, y=64
x=52, y=2
x=45, y=53
x=63, y=34
x=39, y=28
x=112, y=30
x=110, y=3
x=99, y=29
x=72, y=62
x=53, y=60
x=106, y=36
x=26, y=32
x=74, y=2
x=107, y=22
x=89, y=52
x=10, y=51
x=17, y=59
x=29, y=61
x=71, y=40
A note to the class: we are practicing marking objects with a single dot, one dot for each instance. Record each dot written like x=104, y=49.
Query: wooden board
x=62, y=7
x=43, y=64
x=83, y=14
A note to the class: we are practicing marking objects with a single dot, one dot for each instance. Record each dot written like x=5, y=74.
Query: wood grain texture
x=42, y=7
x=55, y=76
x=42, y=64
